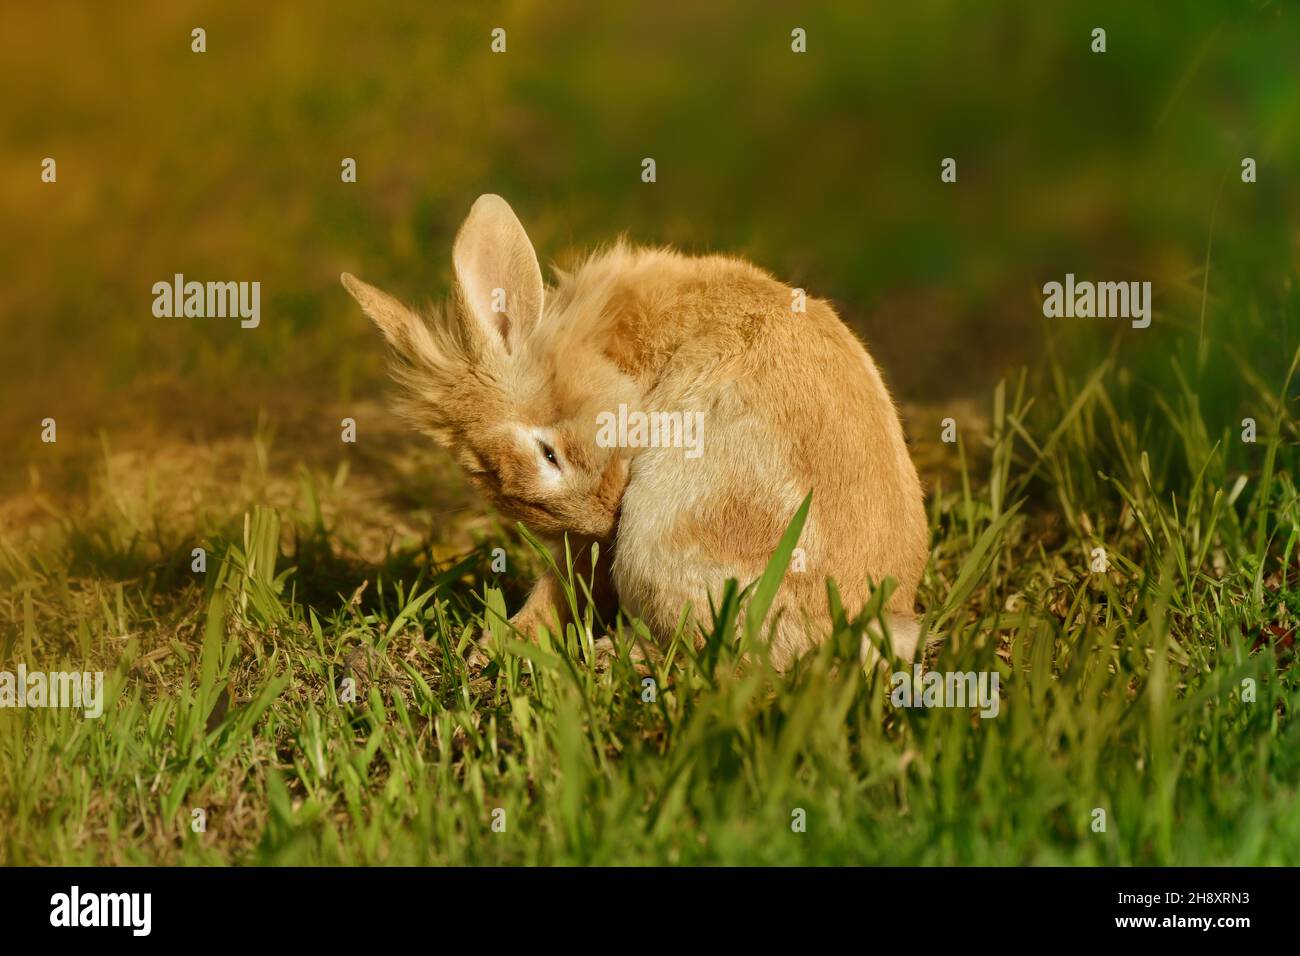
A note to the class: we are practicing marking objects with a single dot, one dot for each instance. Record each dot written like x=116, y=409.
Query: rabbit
x=516, y=379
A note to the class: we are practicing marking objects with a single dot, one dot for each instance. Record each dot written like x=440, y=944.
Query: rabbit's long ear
x=497, y=271
x=403, y=328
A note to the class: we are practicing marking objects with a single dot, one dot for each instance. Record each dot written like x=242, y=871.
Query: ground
x=1145, y=712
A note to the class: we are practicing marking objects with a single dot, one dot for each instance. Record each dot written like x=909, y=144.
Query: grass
x=1122, y=690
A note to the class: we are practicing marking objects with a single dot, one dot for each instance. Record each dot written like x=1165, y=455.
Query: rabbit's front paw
x=522, y=626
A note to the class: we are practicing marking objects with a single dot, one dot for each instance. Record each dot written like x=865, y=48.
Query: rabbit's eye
x=549, y=454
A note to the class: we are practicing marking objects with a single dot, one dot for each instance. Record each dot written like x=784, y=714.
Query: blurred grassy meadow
x=1122, y=690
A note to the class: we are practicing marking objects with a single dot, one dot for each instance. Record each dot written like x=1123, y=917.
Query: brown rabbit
x=522, y=383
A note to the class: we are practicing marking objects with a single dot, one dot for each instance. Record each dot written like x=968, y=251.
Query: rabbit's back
x=789, y=401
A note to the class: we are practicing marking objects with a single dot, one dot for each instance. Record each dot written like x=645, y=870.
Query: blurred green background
x=822, y=167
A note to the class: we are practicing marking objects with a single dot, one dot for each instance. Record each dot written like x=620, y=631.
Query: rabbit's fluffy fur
x=791, y=403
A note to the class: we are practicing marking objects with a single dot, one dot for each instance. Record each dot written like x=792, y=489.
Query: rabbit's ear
x=497, y=271
x=403, y=328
